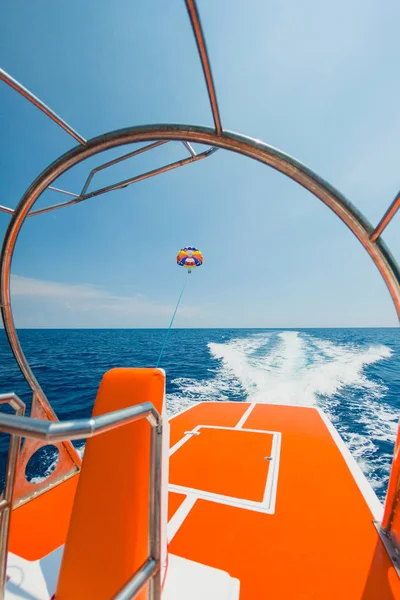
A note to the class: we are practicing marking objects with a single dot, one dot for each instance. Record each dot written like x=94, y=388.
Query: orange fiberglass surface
x=320, y=541
x=264, y=501
x=268, y=494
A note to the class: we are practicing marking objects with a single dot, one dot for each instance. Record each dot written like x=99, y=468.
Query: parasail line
x=170, y=325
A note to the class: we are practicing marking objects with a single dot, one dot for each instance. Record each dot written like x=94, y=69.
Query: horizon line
x=196, y=328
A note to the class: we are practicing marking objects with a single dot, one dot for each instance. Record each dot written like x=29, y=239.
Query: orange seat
x=107, y=539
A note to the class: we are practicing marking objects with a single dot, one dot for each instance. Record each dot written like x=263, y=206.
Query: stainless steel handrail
x=144, y=575
x=126, y=182
x=75, y=429
x=84, y=195
x=7, y=500
x=205, y=61
x=186, y=134
x=18, y=87
x=6, y=209
x=54, y=189
x=217, y=138
x=387, y=217
x=230, y=141
x=111, y=163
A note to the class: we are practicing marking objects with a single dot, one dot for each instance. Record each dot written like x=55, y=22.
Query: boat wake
x=298, y=368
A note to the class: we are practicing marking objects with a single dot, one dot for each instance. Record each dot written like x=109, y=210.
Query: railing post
x=389, y=529
x=19, y=426
x=393, y=494
x=6, y=502
x=155, y=508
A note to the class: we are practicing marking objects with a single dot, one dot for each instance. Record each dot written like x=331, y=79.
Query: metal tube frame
x=202, y=135
x=40, y=105
x=156, y=135
x=6, y=209
x=147, y=573
x=251, y=148
x=19, y=426
x=121, y=184
x=126, y=182
x=54, y=189
x=387, y=217
x=6, y=501
x=116, y=161
x=205, y=61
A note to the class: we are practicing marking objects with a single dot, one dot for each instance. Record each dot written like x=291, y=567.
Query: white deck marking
x=359, y=477
x=244, y=417
x=182, y=441
x=180, y=515
x=272, y=482
x=267, y=505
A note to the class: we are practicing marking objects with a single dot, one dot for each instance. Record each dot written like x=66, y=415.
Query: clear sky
x=318, y=80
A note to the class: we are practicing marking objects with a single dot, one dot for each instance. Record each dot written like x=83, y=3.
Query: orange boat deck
x=266, y=493
x=282, y=507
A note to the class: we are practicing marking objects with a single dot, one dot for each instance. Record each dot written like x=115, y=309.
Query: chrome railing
x=84, y=194
x=19, y=426
x=156, y=135
x=389, y=528
x=7, y=496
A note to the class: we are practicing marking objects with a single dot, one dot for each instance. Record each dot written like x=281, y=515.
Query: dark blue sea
x=352, y=374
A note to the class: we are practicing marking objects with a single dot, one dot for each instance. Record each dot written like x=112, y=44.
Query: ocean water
x=352, y=374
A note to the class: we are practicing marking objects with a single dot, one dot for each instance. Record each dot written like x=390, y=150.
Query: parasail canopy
x=189, y=257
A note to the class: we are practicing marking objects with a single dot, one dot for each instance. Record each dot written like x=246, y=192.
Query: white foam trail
x=295, y=370
x=300, y=369
x=47, y=469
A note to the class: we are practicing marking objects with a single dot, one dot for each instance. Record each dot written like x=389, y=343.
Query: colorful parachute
x=190, y=258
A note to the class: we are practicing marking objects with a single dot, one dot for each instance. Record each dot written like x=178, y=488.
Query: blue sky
x=318, y=80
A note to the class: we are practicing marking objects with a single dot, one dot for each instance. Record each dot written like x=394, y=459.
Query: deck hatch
x=233, y=466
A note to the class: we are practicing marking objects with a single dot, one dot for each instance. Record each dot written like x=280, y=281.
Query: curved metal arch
x=246, y=146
